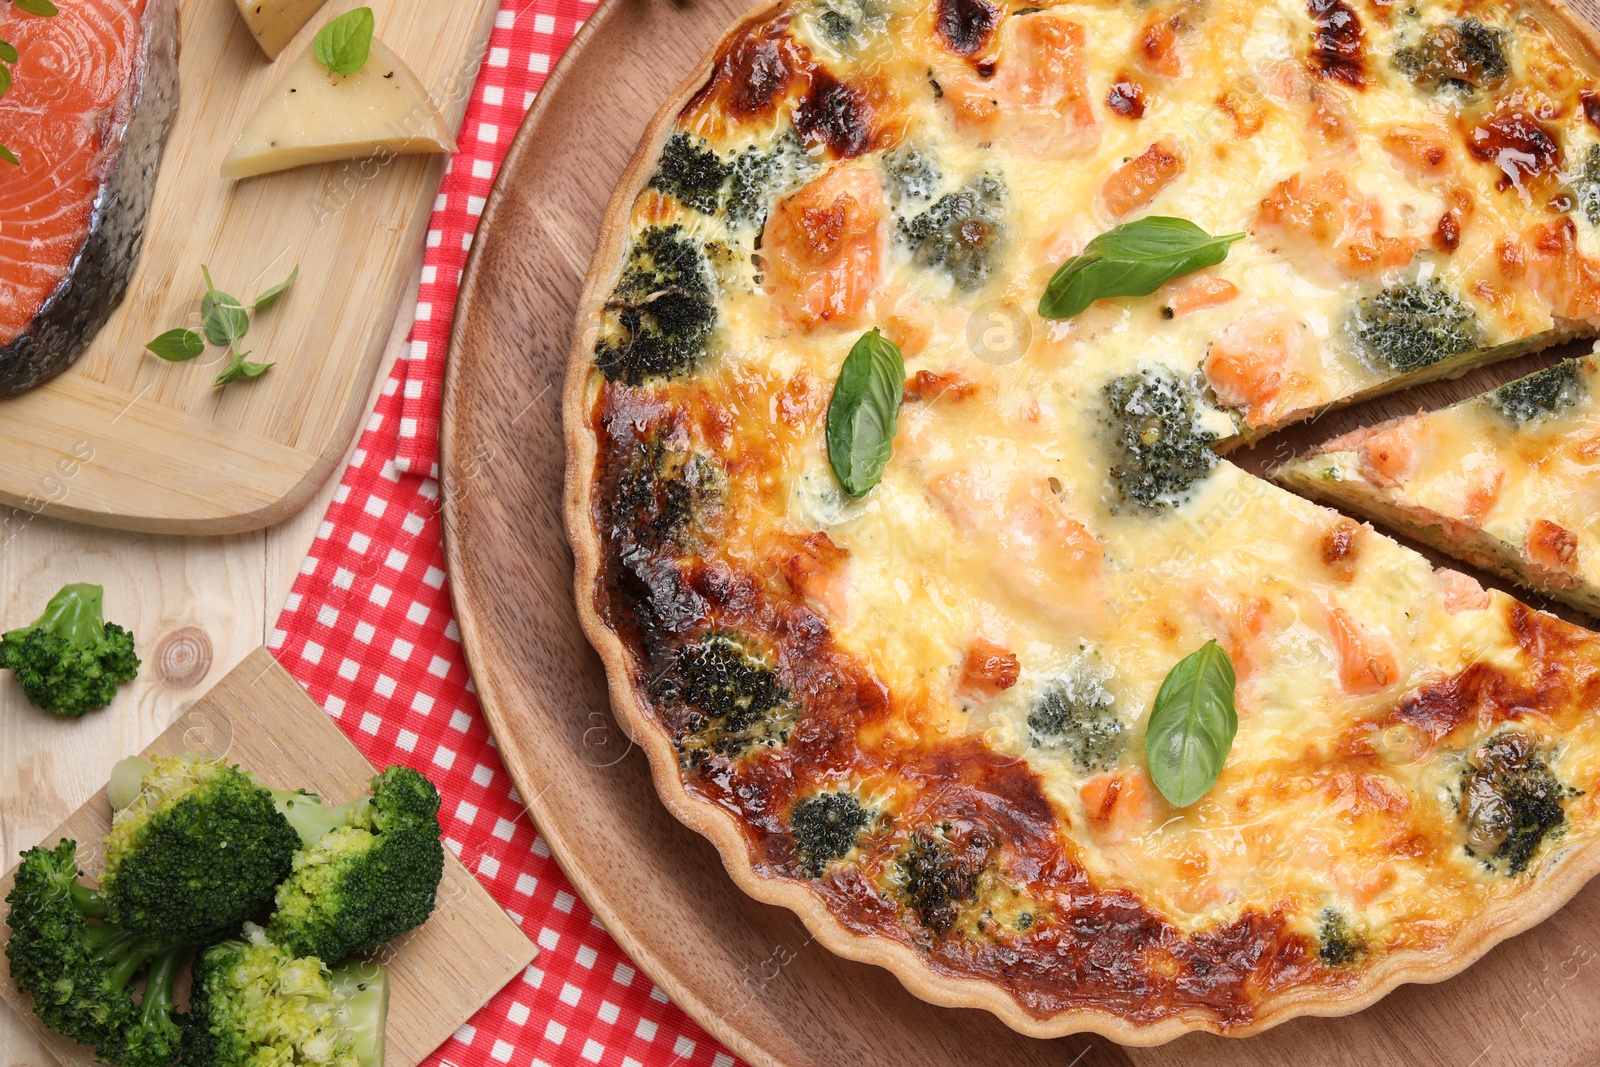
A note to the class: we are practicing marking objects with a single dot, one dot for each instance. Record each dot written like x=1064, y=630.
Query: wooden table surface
x=196, y=606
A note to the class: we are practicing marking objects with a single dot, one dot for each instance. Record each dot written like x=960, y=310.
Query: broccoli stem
x=155, y=1012
x=76, y=613
x=363, y=992
x=126, y=952
x=90, y=902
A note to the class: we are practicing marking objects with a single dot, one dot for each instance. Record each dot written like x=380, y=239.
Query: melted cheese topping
x=999, y=524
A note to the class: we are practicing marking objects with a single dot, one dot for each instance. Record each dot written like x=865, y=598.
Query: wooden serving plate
x=750, y=973
x=125, y=440
x=258, y=717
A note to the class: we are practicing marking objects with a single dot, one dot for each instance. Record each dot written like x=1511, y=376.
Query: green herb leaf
x=9, y=156
x=177, y=346
x=242, y=368
x=5, y=79
x=863, y=412
x=42, y=8
x=222, y=316
x=344, y=44
x=1192, y=724
x=8, y=51
x=1134, y=259
x=276, y=291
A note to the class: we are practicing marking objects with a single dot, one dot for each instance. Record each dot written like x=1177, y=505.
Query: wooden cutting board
x=440, y=974
x=750, y=973
x=123, y=439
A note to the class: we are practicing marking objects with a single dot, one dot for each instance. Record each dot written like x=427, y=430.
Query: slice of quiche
x=1506, y=480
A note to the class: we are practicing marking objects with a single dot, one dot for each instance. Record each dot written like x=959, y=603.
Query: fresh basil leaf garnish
x=344, y=44
x=863, y=411
x=276, y=291
x=178, y=346
x=1192, y=724
x=1134, y=259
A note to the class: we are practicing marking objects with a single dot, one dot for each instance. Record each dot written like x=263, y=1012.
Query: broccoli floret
x=1338, y=944
x=913, y=175
x=255, y=1004
x=1510, y=802
x=369, y=876
x=79, y=973
x=960, y=233
x=934, y=880
x=847, y=24
x=195, y=848
x=1541, y=394
x=1076, y=714
x=71, y=660
x=691, y=172
x=1586, y=186
x=1464, y=55
x=826, y=826
x=723, y=700
x=659, y=494
x=660, y=315
x=1406, y=327
x=763, y=172
x=1160, y=451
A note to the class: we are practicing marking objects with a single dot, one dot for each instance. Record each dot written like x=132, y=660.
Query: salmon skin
x=94, y=95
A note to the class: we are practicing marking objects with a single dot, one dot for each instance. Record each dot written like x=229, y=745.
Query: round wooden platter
x=749, y=972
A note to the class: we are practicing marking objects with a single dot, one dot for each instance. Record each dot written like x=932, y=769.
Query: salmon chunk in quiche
x=894, y=415
x=1507, y=481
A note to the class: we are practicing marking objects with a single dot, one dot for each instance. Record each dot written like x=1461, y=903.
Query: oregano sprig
x=224, y=321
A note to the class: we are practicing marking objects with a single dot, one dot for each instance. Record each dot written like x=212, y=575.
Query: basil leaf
x=9, y=156
x=1134, y=259
x=242, y=368
x=344, y=44
x=42, y=8
x=5, y=79
x=1192, y=724
x=276, y=291
x=8, y=51
x=863, y=411
x=177, y=346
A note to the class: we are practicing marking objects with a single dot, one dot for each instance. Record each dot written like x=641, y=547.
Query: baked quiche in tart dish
x=895, y=415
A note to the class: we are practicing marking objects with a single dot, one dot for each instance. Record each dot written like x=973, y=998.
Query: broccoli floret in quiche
x=1413, y=325
x=1510, y=802
x=960, y=233
x=911, y=174
x=934, y=881
x=724, y=700
x=1159, y=449
x=658, y=319
x=826, y=827
x=1337, y=943
x=1541, y=394
x=762, y=173
x=1075, y=715
x=691, y=172
x=1464, y=55
x=659, y=494
x=1585, y=186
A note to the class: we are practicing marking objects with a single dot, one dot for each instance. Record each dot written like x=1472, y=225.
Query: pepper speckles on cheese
x=927, y=704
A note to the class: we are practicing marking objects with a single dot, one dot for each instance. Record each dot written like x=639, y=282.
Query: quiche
x=1506, y=480
x=896, y=413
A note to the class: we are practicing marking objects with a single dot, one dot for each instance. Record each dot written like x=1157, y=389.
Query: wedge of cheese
x=315, y=116
x=273, y=23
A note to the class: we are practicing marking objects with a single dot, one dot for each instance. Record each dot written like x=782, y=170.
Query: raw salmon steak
x=93, y=97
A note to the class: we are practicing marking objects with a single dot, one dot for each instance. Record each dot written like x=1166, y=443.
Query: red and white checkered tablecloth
x=368, y=631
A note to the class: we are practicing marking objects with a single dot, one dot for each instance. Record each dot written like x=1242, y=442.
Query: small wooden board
x=259, y=717
x=125, y=440
x=751, y=973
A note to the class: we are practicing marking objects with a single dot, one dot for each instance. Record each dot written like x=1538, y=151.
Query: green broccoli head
x=1413, y=325
x=71, y=660
x=253, y=1003
x=370, y=877
x=196, y=851
x=1159, y=447
x=78, y=973
x=659, y=318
